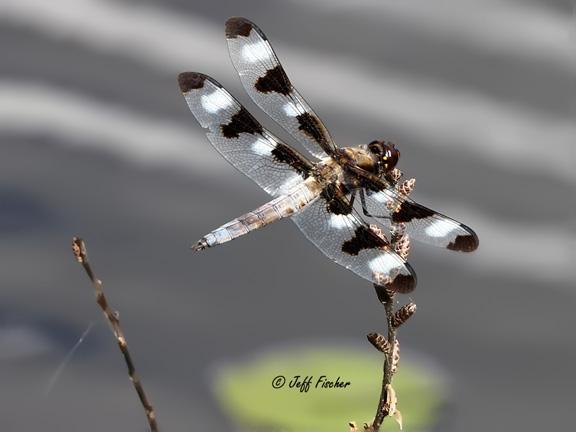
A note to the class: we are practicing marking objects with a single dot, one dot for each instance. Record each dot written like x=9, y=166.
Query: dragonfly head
x=385, y=154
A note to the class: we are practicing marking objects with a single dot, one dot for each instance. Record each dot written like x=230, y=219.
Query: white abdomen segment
x=283, y=206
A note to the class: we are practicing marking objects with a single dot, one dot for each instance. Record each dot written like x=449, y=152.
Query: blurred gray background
x=97, y=141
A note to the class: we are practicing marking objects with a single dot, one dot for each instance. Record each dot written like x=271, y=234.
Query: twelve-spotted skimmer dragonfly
x=323, y=197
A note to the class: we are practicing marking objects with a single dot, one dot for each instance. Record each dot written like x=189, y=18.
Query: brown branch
x=389, y=345
x=79, y=250
x=383, y=410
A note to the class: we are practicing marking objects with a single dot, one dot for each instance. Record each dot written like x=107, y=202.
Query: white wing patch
x=290, y=109
x=216, y=101
x=290, y=184
x=262, y=147
x=256, y=52
x=340, y=221
x=440, y=228
x=384, y=263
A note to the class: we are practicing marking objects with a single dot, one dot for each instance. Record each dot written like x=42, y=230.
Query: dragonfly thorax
x=361, y=157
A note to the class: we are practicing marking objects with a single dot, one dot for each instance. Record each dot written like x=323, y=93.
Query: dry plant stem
x=382, y=410
x=79, y=250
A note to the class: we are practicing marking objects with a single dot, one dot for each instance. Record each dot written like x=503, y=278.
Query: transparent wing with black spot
x=350, y=242
x=240, y=138
x=387, y=207
x=267, y=84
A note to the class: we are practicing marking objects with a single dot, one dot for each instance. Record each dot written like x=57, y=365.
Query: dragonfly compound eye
x=390, y=156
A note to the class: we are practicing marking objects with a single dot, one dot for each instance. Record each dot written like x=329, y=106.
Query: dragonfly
x=339, y=197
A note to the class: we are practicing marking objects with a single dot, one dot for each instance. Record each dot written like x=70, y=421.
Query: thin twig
x=383, y=407
x=79, y=249
x=389, y=345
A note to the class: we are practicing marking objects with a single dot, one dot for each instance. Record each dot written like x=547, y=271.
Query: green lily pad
x=247, y=394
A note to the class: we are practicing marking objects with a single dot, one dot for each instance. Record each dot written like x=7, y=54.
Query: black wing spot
x=402, y=284
x=284, y=154
x=191, y=81
x=238, y=26
x=275, y=80
x=241, y=122
x=336, y=201
x=464, y=243
x=311, y=126
x=409, y=210
x=364, y=238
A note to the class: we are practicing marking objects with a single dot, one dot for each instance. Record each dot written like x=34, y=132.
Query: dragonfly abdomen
x=284, y=206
